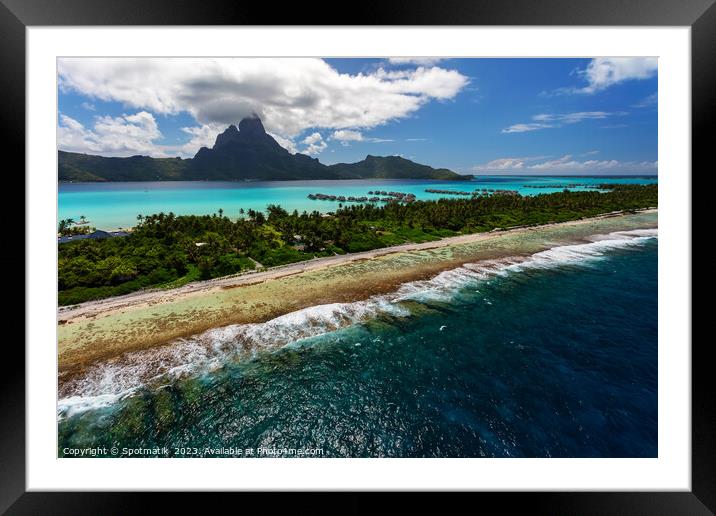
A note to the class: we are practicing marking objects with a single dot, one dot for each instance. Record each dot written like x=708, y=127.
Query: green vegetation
x=88, y=168
x=68, y=227
x=393, y=167
x=165, y=250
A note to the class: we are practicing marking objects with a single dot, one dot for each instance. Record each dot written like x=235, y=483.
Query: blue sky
x=483, y=116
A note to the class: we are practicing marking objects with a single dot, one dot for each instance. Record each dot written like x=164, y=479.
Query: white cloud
x=290, y=95
x=422, y=61
x=345, y=136
x=72, y=136
x=124, y=135
x=502, y=164
x=201, y=136
x=649, y=100
x=140, y=127
x=286, y=143
x=548, y=121
x=315, y=144
x=437, y=83
x=88, y=106
x=573, y=118
x=312, y=138
x=604, y=72
x=507, y=163
x=523, y=128
x=565, y=163
x=129, y=135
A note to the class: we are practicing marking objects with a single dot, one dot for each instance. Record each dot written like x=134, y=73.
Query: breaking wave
x=105, y=383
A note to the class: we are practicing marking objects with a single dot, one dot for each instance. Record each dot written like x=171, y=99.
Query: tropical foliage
x=69, y=227
x=168, y=250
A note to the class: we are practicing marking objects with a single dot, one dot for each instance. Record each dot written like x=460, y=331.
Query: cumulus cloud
x=315, y=144
x=72, y=135
x=604, y=72
x=565, y=163
x=140, y=127
x=345, y=136
x=286, y=143
x=129, y=135
x=548, y=121
x=290, y=95
x=124, y=135
x=201, y=136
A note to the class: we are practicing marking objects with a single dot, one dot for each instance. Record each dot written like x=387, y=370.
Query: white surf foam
x=595, y=249
x=105, y=383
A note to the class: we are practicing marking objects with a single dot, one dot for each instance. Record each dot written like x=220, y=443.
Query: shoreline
x=106, y=328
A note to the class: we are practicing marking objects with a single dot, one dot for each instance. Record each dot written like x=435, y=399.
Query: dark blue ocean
x=555, y=358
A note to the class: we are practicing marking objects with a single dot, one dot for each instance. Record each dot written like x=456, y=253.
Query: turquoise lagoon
x=110, y=206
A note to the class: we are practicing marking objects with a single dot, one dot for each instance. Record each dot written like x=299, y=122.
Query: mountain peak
x=251, y=125
x=250, y=130
x=230, y=134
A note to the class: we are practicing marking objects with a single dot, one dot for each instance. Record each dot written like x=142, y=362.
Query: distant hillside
x=246, y=153
x=85, y=167
x=392, y=167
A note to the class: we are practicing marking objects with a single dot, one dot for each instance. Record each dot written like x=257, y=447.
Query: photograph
x=357, y=257
x=440, y=249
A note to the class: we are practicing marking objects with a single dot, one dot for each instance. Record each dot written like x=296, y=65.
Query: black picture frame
x=16, y=15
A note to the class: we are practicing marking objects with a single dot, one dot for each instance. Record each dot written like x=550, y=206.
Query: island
x=246, y=153
x=165, y=250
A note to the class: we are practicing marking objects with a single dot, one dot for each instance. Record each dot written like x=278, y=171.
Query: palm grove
x=166, y=250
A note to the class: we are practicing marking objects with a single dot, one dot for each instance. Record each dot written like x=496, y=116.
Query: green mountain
x=392, y=167
x=246, y=153
x=85, y=167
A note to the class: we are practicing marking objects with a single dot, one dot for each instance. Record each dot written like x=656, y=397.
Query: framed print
x=446, y=251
